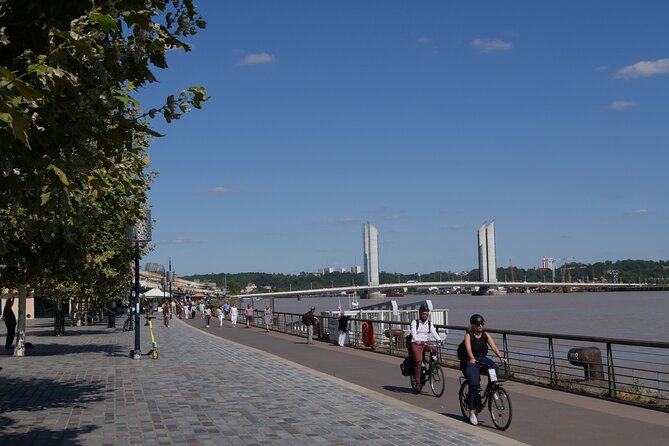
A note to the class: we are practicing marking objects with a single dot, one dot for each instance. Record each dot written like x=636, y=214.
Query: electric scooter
x=153, y=352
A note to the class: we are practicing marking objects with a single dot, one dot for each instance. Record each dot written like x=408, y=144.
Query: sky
x=426, y=119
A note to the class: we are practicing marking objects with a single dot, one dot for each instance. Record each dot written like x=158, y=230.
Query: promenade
x=82, y=389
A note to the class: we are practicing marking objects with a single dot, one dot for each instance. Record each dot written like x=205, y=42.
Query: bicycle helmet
x=476, y=319
x=423, y=308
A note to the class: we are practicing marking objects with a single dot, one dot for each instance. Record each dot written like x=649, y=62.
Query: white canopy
x=156, y=293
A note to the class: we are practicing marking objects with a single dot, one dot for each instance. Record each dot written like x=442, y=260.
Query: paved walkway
x=82, y=389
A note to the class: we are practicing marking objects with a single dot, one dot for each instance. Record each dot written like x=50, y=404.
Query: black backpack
x=407, y=366
x=305, y=318
x=409, y=338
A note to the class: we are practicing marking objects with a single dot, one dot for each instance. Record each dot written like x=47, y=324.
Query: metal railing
x=632, y=371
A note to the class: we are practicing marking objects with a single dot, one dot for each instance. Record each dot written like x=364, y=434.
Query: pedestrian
x=248, y=312
x=112, y=314
x=233, y=315
x=173, y=308
x=207, y=315
x=310, y=321
x=10, y=322
x=343, y=329
x=220, y=314
x=268, y=317
x=166, y=315
x=226, y=309
x=200, y=309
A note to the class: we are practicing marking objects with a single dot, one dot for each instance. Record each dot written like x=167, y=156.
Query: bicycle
x=431, y=371
x=129, y=324
x=494, y=396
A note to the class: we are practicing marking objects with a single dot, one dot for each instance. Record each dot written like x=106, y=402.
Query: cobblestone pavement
x=84, y=389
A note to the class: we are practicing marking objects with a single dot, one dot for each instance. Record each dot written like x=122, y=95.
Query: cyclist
x=421, y=330
x=472, y=353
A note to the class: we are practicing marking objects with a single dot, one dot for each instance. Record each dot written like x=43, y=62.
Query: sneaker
x=473, y=420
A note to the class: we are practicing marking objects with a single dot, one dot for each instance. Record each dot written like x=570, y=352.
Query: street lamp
x=139, y=234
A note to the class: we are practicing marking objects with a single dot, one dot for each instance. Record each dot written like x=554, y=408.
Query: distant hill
x=649, y=271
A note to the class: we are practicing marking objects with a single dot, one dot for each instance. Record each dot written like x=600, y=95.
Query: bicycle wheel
x=437, y=381
x=414, y=386
x=127, y=325
x=462, y=397
x=499, y=405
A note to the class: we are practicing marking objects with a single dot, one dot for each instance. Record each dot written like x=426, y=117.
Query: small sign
x=493, y=375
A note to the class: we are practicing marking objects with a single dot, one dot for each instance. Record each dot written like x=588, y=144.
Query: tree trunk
x=20, y=349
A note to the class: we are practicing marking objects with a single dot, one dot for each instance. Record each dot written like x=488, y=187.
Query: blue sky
x=426, y=119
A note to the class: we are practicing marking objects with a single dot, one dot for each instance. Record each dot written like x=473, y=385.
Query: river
x=636, y=315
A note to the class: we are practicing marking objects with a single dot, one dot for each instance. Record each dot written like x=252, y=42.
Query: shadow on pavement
x=20, y=394
x=66, y=437
x=65, y=349
x=398, y=389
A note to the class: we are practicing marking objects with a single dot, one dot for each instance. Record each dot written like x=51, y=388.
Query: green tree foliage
x=73, y=140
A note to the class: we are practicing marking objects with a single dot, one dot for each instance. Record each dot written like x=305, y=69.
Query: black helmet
x=476, y=319
x=423, y=307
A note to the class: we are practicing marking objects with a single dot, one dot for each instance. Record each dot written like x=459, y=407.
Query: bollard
x=590, y=358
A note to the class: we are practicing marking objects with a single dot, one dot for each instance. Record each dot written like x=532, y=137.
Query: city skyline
x=426, y=119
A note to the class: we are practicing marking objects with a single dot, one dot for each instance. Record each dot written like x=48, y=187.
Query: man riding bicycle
x=421, y=330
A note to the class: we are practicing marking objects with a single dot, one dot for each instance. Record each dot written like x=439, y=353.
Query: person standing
x=472, y=353
x=268, y=317
x=10, y=322
x=342, y=326
x=226, y=309
x=233, y=315
x=248, y=312
x=200, y=309
x=310, y=321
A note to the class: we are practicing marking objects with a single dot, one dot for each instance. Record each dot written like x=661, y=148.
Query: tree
x=73, y=138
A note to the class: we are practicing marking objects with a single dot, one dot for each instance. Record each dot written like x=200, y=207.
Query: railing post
x=611, y=371
x=551, y=362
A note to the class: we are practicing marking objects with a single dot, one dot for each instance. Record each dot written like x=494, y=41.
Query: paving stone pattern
x=82, y=389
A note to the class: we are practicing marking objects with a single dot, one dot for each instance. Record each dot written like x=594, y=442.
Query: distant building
x=153, y=267
x=487, y=253
x=548, y=263
x=370, y=243
x=356, y=269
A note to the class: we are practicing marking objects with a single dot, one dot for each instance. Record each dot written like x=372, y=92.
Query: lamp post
x=139, y=234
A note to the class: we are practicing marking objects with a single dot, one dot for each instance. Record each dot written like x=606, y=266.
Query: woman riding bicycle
x=472, y=354
x=421, y=330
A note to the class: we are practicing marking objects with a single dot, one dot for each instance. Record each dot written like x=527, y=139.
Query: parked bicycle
x=431, y=371
x=129, y=324
x=494, y=396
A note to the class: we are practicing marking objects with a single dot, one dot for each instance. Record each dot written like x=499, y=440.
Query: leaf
x=46, y=196
x=60, y=173
x=106, y=22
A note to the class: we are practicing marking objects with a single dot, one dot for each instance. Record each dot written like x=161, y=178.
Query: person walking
x=10, y=322
x=268, y=317
x=207, y=315
x=220, y=315
x=248, y=312
x=233, y=315
x=226, y=309
x=166, y=315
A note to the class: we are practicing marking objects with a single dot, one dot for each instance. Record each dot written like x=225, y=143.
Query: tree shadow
x=33, y=395
x=54, y=349
x=40, y=435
